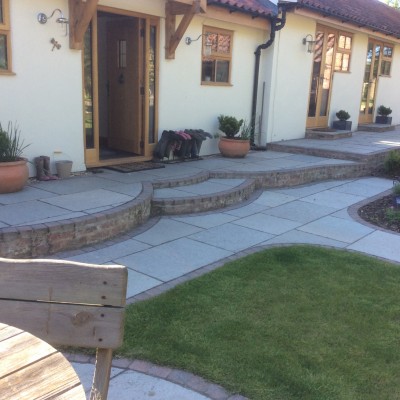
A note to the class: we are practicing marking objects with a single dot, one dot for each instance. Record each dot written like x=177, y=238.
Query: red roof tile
x=372, y=14
x=263, y=8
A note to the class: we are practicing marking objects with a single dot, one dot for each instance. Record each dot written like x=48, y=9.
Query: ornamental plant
x=229, y=125
x=342, y=115
x=11, y=144
x=384, y=111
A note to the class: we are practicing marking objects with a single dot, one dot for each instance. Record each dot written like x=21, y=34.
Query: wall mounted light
x=310, y=42
x=207, y=46
x=42, y=19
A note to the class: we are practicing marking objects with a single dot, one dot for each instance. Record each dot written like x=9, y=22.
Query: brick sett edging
x=49, y=238
x=195, y=204
x=179, y=377
x=53, y=237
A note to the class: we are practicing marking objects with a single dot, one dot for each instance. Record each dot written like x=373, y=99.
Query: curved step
x=203, y=196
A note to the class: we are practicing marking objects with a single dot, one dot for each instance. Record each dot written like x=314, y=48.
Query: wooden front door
x=124, y=85
x=321, y=78
x=369, y=87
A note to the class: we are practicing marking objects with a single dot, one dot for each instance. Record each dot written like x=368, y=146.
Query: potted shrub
x=236, y=142
x=342, y=124
x=383, y=115
x=13, y=167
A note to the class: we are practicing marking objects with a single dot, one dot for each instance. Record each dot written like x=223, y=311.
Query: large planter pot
x=234, y=148
x=342, y=125
x=13, y=176
x=383, y=119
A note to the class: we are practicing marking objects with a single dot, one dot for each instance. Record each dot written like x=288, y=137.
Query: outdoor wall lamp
x=207, y=46
x=42, y=19
x=310, y=42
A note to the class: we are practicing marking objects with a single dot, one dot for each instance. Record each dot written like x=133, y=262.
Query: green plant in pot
x=236, y=142
x=383, y=115
x=342, y=124
x=13, y=167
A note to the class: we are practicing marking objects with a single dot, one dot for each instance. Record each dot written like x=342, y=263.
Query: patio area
x=274, y=198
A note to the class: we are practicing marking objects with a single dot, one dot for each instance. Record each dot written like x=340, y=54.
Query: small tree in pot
x=234, y=144
x=383, y=115
x=343, y=124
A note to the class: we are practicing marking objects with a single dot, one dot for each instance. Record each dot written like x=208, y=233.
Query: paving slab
x=307, y=190
x=380, y=244
x=207, y=221
x=244, y=211
x=300, y=211
x=267, y=223
x=173, y=259
x=273, y=199
x=299, y=237
x=334, y=199
x=231, y=237
x=165, y=230
x=90, y=199
x=28, y=193
x=337, y=229
x=28, y=212
x=108, y=253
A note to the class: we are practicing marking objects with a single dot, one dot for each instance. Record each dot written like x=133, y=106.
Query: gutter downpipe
x=276, y=25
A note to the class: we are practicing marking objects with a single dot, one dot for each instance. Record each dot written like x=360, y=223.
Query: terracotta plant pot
x=13, y=176
x=234, y=148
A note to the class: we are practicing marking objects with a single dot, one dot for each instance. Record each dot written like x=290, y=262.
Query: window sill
x=7, y=73
x=207, y=83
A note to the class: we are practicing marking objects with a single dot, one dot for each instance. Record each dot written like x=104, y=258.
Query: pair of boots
x=42, y=165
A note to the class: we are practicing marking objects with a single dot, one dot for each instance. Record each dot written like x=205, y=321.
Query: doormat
x=134, y=167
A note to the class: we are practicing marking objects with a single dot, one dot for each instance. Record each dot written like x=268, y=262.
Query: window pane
x=3, y=52
x=387, y=51
x=344, y=42
x=88, y=88
x=208, y=71
x=224, y=44
x=1, y=12
x=385, y=67
x=345, y=62
x=222, y=73
x=152, y=83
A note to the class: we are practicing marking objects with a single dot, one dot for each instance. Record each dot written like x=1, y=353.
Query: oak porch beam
x=187, y=8
x=80, y=15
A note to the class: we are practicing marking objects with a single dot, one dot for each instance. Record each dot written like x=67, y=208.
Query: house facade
x=97, y=82
x=332, y=55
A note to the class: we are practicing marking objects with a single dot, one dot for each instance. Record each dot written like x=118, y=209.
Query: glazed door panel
x=368, y=94
x=321, y=79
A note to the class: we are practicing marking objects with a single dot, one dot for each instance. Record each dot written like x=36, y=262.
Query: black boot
x=46, y=168
x=40, y=175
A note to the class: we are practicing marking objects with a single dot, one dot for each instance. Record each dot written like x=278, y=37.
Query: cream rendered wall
x=347, y=87
x=285, y=117
x=45, y=94
x=185, y=103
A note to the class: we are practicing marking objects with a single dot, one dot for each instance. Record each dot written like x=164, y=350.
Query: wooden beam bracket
x=80, y=15
x=173, y=35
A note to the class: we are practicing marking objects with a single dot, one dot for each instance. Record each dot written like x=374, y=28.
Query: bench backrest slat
x=63, y=282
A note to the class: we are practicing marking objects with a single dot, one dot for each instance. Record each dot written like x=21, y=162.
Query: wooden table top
x=30, y=369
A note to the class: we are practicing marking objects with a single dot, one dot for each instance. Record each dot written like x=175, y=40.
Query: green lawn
x=296, y=322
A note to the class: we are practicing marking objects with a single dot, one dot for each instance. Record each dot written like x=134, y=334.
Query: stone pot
x=383, y=119
x=234, y=148
x=13, y=175
x=342, y=125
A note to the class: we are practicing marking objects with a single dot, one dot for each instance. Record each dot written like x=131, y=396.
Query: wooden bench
x=69, y=304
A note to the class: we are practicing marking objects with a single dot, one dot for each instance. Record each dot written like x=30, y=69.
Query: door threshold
x=116, y=161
